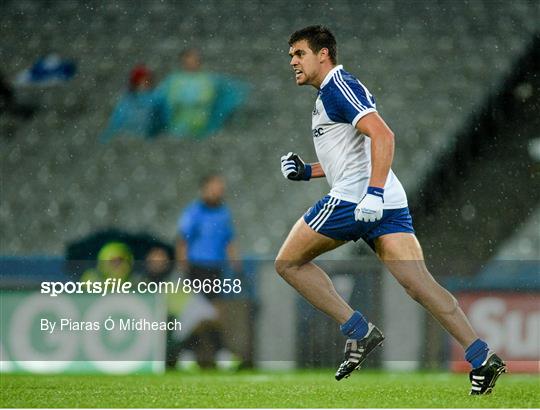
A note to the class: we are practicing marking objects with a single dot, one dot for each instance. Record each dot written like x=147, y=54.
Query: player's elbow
x=389, y=142
x=389, y=136
x=385, y=136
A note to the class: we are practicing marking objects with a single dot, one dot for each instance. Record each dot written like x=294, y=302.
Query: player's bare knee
x=284, y=268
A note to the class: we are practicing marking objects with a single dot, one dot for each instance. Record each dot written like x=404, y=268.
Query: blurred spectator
x=157, y=267
x=193, y=310
x=158, y=264
x=82, y=253
x=205, y=250
x=47, y=71
x=114, y=260
x=114, y=253
x=199, y=102
x=140, y=110
x=205, y=243
x=8, y=101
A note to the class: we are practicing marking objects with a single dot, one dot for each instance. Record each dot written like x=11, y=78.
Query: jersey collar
x=330, y=74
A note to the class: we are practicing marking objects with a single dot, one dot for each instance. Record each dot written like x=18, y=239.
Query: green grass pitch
x=264, y=389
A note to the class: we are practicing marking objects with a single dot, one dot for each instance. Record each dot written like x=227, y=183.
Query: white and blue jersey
x=345, y=156
x=344, y=152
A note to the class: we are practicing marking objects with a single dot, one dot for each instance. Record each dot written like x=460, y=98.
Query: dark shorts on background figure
x=202, y=273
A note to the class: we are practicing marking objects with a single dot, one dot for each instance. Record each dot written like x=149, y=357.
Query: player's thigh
x=398, y=246
x=304, y=244
x=402, y=254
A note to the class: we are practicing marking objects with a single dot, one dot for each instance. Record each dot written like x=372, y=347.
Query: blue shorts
x=334, y=218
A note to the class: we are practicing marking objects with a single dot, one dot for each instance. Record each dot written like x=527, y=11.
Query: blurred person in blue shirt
x=140, y=111
x=205, y=244
x=199, y=102
x=205, y=250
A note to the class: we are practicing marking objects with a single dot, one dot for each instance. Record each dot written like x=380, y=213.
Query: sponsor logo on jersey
x=317, y=132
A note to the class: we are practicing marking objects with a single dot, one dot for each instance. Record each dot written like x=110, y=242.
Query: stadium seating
x=524, y=245
x=429, y=64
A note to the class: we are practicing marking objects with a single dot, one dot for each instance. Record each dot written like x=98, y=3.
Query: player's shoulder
x=345, y=76
x=343, y=86
x=338, y=73
x=341, y=81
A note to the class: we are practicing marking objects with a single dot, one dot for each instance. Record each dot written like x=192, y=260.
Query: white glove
x=288, y=166
x=294, y=168
x=370, y=208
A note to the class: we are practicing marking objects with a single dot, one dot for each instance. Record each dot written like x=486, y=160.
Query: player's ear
x=323, y=54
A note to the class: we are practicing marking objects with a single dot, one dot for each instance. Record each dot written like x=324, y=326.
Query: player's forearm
x=382, y=147
x=382, y=154
x=316, y=170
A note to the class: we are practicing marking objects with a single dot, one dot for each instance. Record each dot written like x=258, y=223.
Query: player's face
x=304, y=62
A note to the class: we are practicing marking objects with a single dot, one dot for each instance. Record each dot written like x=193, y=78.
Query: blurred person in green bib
x=198, y=102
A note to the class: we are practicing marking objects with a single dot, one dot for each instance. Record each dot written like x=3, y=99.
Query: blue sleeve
x=229, y=234
x=186, y=227
x=347, y=100
x=162, y=90
x=159, y=114
x=117, y=120
x=226, y=226
x=231, y=94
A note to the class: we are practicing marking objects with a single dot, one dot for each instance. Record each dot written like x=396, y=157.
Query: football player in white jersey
x=355, y=148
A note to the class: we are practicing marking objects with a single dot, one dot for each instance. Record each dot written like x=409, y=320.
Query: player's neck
x=325, y=69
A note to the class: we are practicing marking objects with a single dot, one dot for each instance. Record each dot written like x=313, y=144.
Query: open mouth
x=297, y=73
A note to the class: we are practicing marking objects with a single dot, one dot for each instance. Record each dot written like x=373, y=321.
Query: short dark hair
x=209, y=177
x=318, y=37
x=187, y=51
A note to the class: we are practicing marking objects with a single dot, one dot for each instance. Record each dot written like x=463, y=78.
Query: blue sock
x=476, y=353
x=356, y=327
